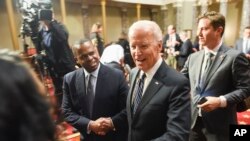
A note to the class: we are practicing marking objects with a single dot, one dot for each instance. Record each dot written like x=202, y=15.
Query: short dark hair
x=217, y=19
x=247, y=27
x=24, y=111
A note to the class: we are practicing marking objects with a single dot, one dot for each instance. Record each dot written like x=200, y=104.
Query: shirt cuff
x=88, y=130
x=112, y=124
x=223, y=101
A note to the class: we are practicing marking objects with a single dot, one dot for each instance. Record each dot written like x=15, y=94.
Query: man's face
x=88, y=56
x=247, y=33
x=171, y=29
x=145, y=49
x=208, y=36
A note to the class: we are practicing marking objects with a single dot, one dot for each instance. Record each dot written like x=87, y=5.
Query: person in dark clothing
x=196, y=45
x=127, y=55
x=57, y=55
x=185, y=50
x=96, y=38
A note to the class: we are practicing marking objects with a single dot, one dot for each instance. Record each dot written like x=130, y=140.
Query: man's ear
x=220, y=29
x=159, y=46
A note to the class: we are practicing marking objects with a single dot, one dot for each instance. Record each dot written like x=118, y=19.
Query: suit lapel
x=100, y=80
x=80, y=82
x=152, y=88
x=131, y=90
x=198, y=71
x=80, y=85
x=216, y=63
x=102, y=74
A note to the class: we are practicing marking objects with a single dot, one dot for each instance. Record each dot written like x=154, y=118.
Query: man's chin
x=140, y=67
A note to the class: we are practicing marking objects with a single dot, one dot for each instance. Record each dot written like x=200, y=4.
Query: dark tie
x=208, y=62
x=90, y=94
x=138, y=92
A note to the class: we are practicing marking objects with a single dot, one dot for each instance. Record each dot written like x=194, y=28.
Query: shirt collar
x=94, y=73
x=215, y=50
x=152, y=71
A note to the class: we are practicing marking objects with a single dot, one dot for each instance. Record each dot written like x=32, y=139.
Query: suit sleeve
x=120, y=119
x=70, y=114
x=241, y=81
x=185, y=70
x=187, y=47
x=178, y=124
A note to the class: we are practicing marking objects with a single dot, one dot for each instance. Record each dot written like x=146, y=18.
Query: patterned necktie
x=138, y=92
x=207, y=64
x=90, y=94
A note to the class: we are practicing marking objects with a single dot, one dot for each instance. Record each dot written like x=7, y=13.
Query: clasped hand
x=101, y=126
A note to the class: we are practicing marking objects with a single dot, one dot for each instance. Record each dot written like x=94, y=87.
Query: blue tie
x=138, y=92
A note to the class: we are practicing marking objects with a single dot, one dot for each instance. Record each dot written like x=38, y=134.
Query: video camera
x=32, y=11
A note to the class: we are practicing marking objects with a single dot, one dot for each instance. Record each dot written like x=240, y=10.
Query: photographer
x=55, y=51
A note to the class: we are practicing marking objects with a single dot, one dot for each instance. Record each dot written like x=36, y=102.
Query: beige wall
x=5, y=39
x=187, y=15
x=233, y=20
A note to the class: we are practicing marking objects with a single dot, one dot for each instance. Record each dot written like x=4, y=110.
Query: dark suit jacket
x=185, y=50
x=228, y=76
x=110, y=101
x=166, y=37
x=164, y=112
x=59, y=56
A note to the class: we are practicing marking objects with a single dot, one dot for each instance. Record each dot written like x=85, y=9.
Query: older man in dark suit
x=94, y=98
x=185, y=50
x=219, y=78
x=158, y=104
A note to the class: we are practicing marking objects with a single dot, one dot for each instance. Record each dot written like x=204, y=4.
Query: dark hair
x=247, y=27
x=217, y=20
x=24, y=113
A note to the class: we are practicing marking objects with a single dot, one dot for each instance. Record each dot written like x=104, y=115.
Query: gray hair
x=147, y=26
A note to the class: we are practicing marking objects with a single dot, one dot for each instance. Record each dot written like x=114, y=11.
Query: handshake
x=101, y=126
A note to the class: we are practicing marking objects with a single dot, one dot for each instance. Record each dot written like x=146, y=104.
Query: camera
x=31, y=11
x=45, y=14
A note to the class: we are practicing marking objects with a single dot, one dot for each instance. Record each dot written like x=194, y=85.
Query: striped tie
x=138, y=92
x=208, y=62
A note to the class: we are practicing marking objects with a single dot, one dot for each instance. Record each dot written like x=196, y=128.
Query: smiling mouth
x=140, y=60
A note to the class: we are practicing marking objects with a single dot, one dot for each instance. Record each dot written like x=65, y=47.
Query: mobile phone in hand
x=202, y=100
